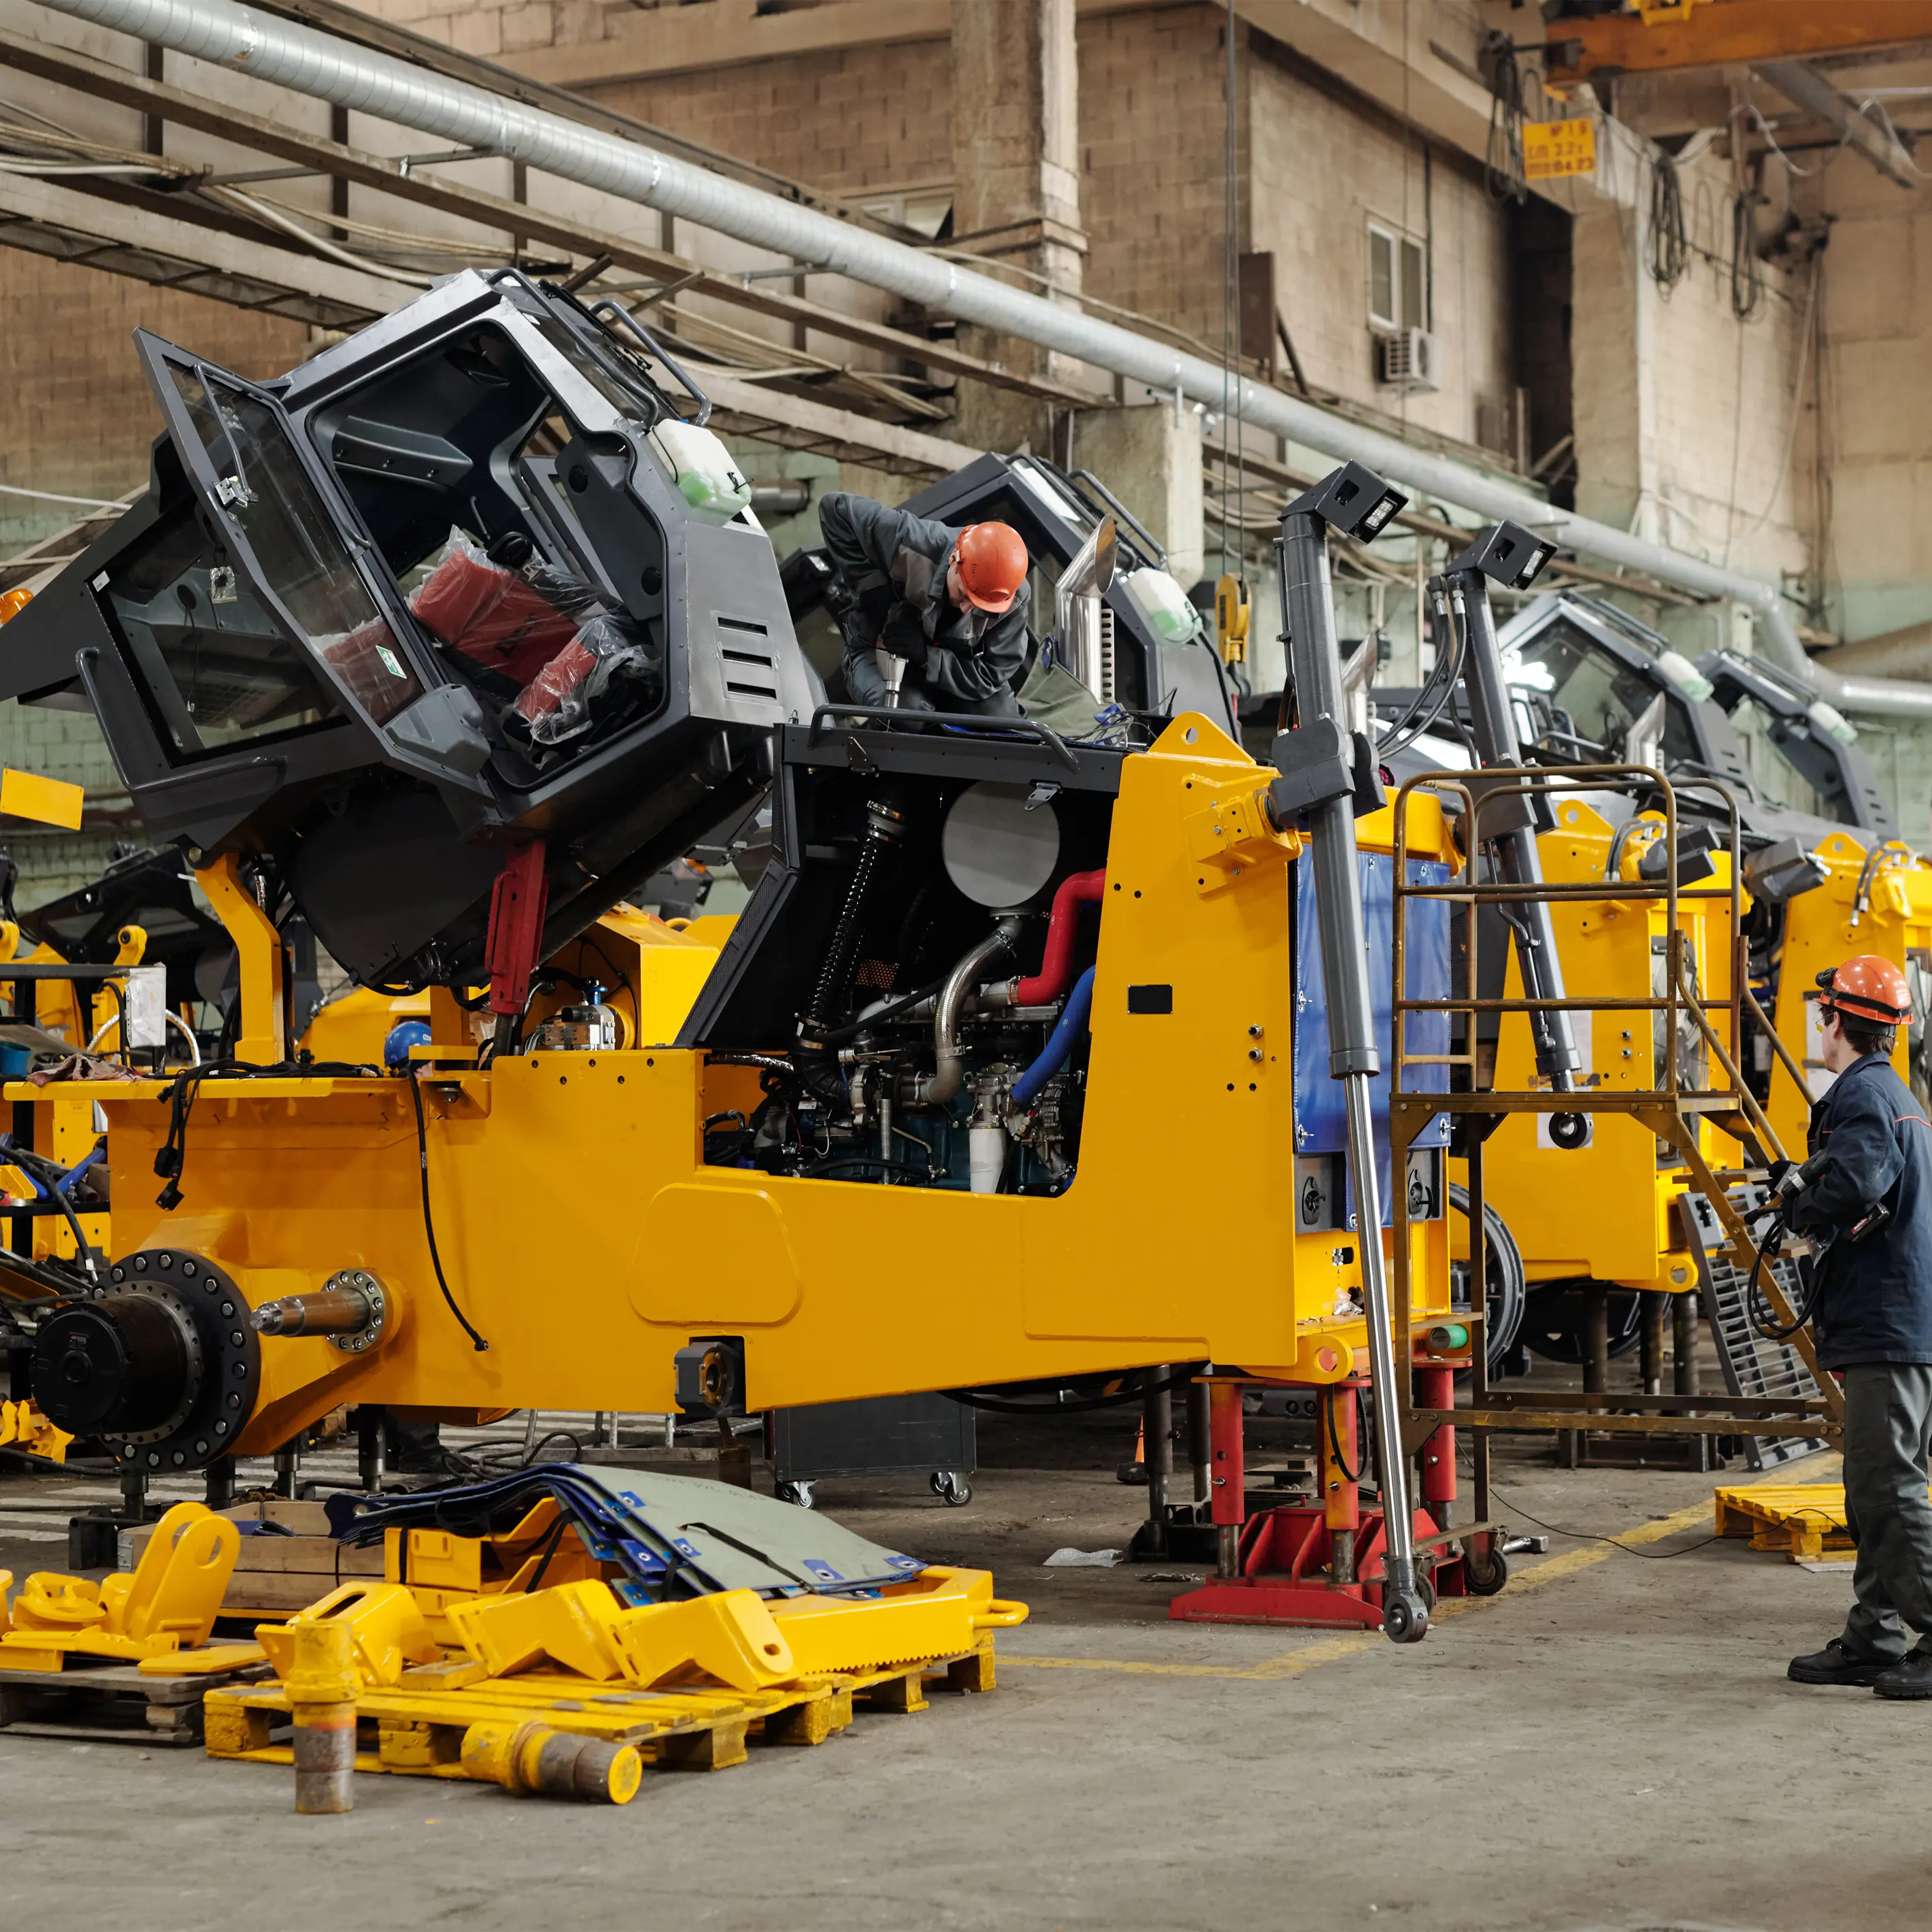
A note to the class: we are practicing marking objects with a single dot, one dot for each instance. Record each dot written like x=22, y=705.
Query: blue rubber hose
x=1072, y=1023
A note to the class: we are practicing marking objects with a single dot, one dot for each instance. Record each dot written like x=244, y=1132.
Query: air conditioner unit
x=1407, y=361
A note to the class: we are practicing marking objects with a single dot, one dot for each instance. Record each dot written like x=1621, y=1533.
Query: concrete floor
x=1612, y=1743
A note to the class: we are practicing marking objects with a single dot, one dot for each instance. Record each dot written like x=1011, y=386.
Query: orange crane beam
x=1660, y=37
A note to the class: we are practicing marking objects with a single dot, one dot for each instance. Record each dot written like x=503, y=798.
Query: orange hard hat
x=1866, y=987
x=993, y=565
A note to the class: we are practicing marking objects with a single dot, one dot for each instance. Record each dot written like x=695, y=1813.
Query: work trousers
x=1888, y=1435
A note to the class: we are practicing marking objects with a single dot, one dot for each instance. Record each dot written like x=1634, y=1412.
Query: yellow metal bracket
x=261, y=1037
x=1232, y=832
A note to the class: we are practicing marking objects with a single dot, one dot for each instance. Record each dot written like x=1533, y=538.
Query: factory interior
x=805, y=638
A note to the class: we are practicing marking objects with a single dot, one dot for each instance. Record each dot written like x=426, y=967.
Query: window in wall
x=1398, y=282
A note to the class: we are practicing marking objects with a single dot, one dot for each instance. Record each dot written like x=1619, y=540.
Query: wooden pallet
x=1804, y=1521
x=113, y=1702
x=419, y=1731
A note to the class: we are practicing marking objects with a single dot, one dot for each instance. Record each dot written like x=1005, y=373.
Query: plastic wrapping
x=509, y=621
x=557, y=703
x=368, y=660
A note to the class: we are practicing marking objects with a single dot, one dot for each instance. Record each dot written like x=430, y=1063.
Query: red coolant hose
x=1056, y=965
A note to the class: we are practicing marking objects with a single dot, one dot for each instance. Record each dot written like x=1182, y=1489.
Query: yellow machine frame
x=583, y=1235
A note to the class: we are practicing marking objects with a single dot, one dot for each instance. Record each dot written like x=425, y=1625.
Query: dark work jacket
x=974, y=659
x=1874, y=1296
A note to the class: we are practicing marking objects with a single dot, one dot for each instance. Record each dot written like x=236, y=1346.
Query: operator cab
x=477, y=573
x=1601, y=673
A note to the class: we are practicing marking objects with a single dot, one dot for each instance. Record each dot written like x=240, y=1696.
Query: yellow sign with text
x=1553, y=148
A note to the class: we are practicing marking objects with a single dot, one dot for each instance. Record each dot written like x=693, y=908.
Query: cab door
x=301, y=627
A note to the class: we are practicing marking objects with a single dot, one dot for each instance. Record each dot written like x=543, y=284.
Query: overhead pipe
x=320, y=65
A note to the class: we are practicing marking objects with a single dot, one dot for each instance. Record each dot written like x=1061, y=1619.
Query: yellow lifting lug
x=168, y=1603
x=387, y=1632
x=130, y=946
x=1233, y=834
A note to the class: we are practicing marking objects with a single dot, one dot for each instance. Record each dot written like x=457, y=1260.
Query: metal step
x=1753, y=1366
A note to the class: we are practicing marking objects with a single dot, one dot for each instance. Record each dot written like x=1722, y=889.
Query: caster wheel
x=952, y=1488
x=1485, y=1578
x=800, y=1493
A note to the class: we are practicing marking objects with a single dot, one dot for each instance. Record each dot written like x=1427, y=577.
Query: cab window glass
x=218, y=666
x=304, y=562
x=1602, y=696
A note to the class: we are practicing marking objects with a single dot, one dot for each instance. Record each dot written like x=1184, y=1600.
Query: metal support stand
x=1229, y=1481
x=1652, y=1342
x=369, y=1465
x=1436, y=1388
x=133, y=1491
x=1200, y=1449
x=288, y=1470
x=1340, y=1464
x=219, y=1493
x=1157, y=1452
x=1683, y=1344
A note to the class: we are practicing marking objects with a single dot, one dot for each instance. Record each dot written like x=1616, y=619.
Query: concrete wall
x=1875, y=330
x=76, y=415
x=1324, y=165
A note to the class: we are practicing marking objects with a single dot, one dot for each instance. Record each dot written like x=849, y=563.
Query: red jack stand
x=1302, y=1564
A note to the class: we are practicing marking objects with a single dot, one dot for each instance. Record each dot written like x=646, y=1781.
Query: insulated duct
x=329, y=69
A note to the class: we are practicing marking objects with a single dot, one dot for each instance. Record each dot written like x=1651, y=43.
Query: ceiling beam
x=47, y=218
x=1804, y=86
x=1728, y=32
x=178, y=252
x=425, y=188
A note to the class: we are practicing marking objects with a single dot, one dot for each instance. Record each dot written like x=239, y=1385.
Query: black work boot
x=1911, y=1676
x=1837, y=1663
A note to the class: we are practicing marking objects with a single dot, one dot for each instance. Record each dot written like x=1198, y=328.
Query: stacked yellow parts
x=566, y=1690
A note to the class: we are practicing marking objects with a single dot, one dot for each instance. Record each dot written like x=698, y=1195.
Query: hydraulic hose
x=1071, y=1024
x=1056, y=965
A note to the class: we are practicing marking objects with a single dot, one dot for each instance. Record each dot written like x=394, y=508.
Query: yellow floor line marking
x=1293, y=1663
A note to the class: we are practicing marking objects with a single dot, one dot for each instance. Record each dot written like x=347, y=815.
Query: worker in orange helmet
x=952, y=603
x=1864, y=1196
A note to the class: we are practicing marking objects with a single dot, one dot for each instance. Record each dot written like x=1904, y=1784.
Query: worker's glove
x=904, y=635
x=860, y=614
x=1779, y=1168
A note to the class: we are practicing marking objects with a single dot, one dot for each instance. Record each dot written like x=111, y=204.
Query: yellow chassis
x=584, y=1237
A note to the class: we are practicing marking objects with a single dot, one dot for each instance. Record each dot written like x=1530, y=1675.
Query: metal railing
x=1674, y=1107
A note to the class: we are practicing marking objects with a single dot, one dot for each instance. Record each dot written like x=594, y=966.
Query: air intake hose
x=885, y=824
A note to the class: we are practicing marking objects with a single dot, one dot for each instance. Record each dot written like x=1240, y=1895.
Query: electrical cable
x=429, y=1221
x=1590, y=1536
x=838, y=1035
x=1503, y=171
x=1668, y=246
x=1348, y=1475
x=1437, y=690
x=1081, y=1405
x=1746, y=273
x=25, y=1160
